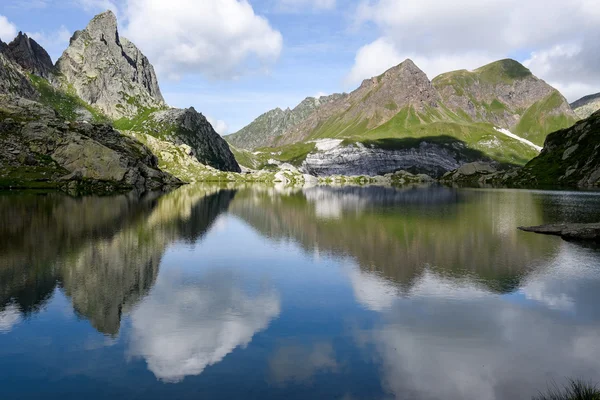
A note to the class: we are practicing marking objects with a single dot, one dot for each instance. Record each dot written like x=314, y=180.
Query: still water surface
x=320, y=293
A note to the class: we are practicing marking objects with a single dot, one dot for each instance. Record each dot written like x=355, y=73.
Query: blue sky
x=235, y=59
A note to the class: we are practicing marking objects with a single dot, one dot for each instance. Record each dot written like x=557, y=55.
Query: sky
x=232, y=60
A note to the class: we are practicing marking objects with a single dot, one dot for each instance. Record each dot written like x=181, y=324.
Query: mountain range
x=96, y=121
x=402, y=120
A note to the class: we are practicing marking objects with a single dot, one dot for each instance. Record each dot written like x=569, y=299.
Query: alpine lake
x=257, y=292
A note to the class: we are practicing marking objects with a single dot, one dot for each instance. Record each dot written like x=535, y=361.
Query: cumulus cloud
x=219, y=126
x=448, y=35
x=220, y=39
x=8, y=30
x=186, y=326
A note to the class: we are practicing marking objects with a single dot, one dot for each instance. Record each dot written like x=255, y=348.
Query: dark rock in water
x=27, y=53
x=571, y=232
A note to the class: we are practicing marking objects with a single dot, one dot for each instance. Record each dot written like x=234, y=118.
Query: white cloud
x=9, y=318
x=457, y=34
x=220, y=39
x=219, y=126
x=380, y=55
x=8, y=30
x=182, y=327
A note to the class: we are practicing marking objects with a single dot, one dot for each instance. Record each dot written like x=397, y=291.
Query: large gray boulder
x=40, y=149
x=108, y=71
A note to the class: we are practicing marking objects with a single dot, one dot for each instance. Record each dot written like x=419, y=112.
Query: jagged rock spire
x=110, y=72
x=29, y=55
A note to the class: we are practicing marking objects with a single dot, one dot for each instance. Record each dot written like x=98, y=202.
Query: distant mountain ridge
x=495, y=110
x=586, y=106
x=263, y=130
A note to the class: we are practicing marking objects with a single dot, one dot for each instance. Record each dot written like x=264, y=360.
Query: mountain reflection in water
x=321, y=292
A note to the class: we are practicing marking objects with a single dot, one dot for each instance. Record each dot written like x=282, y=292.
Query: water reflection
x=398, y=234
x=309, y=293
x=436, y=344
x=189, y=324
x=104, y=252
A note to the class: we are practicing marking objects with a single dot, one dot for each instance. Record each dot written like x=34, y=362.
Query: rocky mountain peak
x=108, y=71
x=27, y=53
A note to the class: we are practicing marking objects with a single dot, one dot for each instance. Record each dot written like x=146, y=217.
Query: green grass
x=575, y=390
x=66, y=103
x=140, y=123
x=538, y=120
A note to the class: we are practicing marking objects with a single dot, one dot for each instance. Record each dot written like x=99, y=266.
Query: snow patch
x=327, y=144
x=520, y=139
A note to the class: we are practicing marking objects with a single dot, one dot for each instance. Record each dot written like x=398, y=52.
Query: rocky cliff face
x=587, y=105
x=433, y=159
x=571, y=157
x=13, y=80
x=28, y=54
x=108, y=71
x=40, y=149
x=265, y=129
x=507, y=95
x=191, y=128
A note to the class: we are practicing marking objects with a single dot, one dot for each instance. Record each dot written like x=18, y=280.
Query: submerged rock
x=571, y=232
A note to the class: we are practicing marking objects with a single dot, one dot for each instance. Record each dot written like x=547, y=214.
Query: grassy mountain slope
x=464, y=105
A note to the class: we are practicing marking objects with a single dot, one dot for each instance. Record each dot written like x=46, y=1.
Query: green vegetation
x=66, y=103
x=575, y=390
x=140, y=123
x=541, y=118
x=503, y=71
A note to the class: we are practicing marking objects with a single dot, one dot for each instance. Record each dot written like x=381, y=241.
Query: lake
x=276, y=293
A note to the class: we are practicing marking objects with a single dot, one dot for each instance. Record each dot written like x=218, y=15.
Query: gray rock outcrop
x=430, y=158
x=13, y=80
x=570, y=232
x=187, y=126
x=40, y=149
x=32, y=57
x=587, y=105
x=108, y=71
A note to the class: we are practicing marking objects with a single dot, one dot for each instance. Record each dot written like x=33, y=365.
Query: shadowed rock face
x=13, y=80
x=32, y=57
x=108, y=71
x=571, y=157
x=187, y=126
